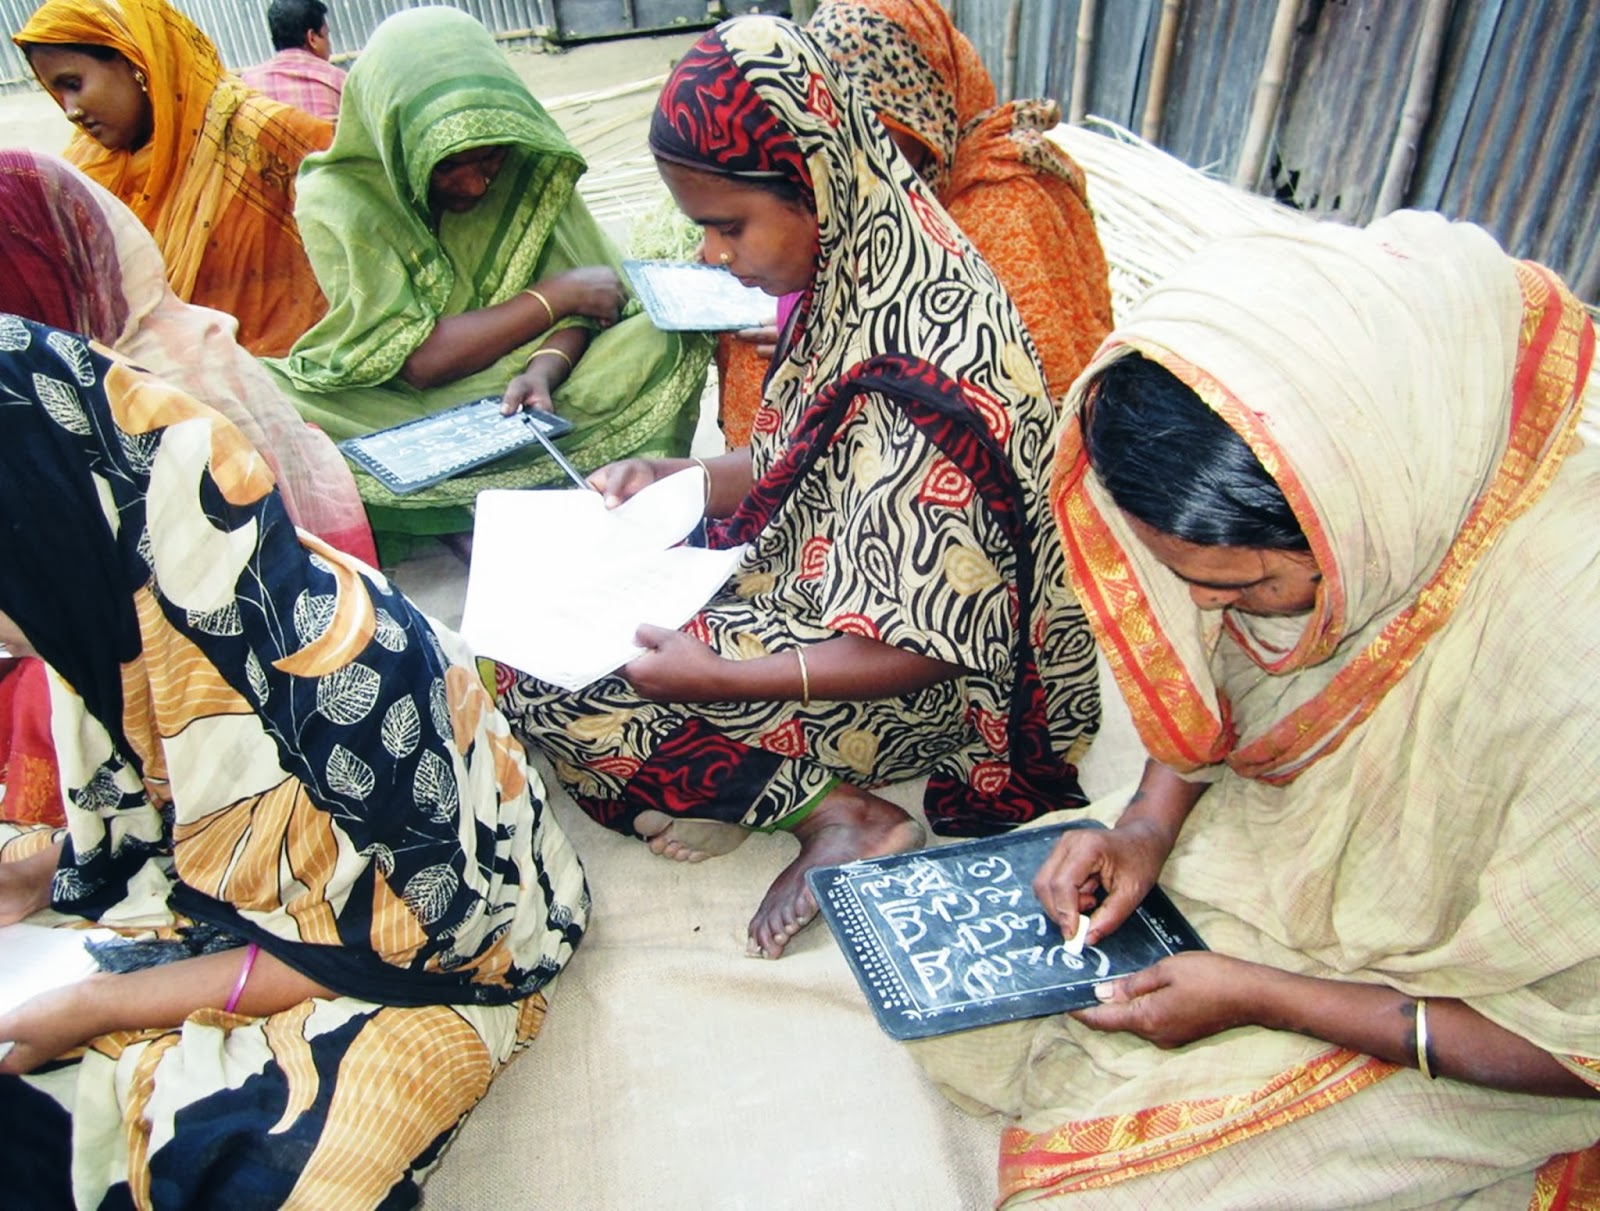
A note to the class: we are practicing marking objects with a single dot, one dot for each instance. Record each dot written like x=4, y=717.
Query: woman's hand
x=46, y=1026
x=1182, y=998
x=530, y=391
x=1123, y=862
x=764, y=339
x=675, y=668
x=594, y=291
x=620, y=481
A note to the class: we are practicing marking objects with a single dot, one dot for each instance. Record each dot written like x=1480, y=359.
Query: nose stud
x=725, y=258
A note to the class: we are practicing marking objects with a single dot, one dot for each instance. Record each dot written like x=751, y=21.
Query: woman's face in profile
x=764, y=240
x=1251, y=580
x=104, y=97
x=458, y=182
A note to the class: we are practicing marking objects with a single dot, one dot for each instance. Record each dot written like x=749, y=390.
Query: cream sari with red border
x=1404, y=779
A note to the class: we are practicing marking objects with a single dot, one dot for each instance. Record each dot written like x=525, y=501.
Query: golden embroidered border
x=1102, y=1152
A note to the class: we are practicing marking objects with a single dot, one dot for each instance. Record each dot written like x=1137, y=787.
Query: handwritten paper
x=559, y=584
x=953, y=937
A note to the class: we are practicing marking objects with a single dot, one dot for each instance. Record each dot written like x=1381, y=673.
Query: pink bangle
x=250, y=953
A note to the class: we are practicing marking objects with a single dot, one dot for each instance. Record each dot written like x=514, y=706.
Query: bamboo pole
x=1161, y=71
x=1418, y=107
x=1081, y=64
x=1269, y=87
x=1008, y=68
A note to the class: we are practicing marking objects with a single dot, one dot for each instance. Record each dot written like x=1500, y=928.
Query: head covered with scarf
x=83, y=262
x=1411, y=390
x=430, y=83
x=214, y=182
x=756, y=101
x=902, y=311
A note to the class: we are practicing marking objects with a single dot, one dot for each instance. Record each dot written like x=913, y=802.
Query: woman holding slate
x=1326, y=508
x=458, y=262
x=901, y=609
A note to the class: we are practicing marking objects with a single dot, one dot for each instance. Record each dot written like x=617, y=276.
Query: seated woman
x=902, y=608
x=1324, y=505
x=1019, y=198
x=287, y=786
x=80, y=260
x=459, y=262
x=205, y=163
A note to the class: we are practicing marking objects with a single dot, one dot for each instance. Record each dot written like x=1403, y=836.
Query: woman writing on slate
x=901, y=609
x=458, y=262
x=1325, y=506
x=341, y=891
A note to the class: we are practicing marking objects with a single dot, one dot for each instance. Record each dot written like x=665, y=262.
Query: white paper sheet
x=34, y=959
x=559, y=583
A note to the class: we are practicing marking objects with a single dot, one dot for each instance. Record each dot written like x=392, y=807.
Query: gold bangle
x=805, y=677
x=548, y=351
x=1422, y=1039
x=706, y=471
x=545, y=303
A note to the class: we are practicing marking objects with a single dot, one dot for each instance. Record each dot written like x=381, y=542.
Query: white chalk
x=1074, y=944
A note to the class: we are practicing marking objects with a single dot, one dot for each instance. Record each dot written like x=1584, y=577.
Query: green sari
x=431, y=83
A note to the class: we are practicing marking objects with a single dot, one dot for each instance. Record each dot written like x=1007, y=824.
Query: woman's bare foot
x=688, y=840
x=850, y=823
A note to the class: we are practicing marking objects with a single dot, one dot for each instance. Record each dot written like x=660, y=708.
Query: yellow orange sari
x=1402, y=779
x=215, y=183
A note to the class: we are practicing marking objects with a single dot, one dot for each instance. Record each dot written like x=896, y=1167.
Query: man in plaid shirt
x=299, y=74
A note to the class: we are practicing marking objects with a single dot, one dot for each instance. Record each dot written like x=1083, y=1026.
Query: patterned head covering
x=711, y=118
x=263, y=735
x=83, y=262
x=902, y=317
x=926, y=80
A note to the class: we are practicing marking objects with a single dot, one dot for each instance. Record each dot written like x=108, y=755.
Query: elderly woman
x=901, y=610
x=460, y=262
x=1324, y=505
x=207, y=164
x=1018, y=197
x=342, y=895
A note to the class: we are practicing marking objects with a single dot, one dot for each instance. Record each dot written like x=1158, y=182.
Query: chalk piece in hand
x=1075, y=943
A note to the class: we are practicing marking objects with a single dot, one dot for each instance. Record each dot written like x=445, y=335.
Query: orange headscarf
x=215, y=183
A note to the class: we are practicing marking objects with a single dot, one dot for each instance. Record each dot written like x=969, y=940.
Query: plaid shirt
x=299, y=78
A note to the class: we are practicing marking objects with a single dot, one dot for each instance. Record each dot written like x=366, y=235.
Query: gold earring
x=138, y=78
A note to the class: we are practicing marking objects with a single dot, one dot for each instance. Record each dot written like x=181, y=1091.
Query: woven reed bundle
x=1152, y=210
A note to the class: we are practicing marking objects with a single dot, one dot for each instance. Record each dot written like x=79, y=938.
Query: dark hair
x=106, y=54
x=291, y=20
x=1174, y=464
x=784, y=188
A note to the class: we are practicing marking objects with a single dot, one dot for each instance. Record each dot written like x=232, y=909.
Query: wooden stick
x=1418, y=106
x=1160, y=72
x=1268, y=89
x=1082, y=63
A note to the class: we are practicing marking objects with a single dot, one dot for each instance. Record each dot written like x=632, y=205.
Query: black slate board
x=419, y=453
x=951, y=938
